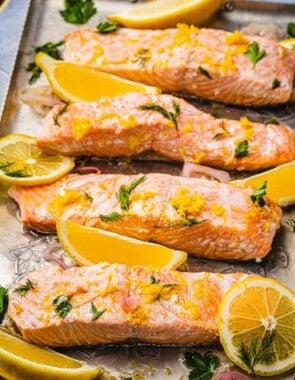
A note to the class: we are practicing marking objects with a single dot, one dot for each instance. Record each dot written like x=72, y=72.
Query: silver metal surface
x=22, y=251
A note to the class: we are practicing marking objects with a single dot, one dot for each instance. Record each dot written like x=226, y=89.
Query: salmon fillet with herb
x=202, y=217
x=112, y=303
x=135, y=123
x=208, y=63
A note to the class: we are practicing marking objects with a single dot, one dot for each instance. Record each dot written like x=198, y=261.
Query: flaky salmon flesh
x=135, y=123
x=112, y=303
x=208, y=63
x=202, y=217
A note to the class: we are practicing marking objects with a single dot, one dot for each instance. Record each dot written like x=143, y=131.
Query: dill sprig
x=172, y=116
x=291, y=223
x=123, y=195
x=106, y=27
x=110, y=217
x=258, y=351
x=23, y=289
x=224, y=133
x=96, y=313
x=142, y=57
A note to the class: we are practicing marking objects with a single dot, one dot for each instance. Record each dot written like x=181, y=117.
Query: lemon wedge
x=23, y=163
x=20, y=360
x=167, y=13
x=256, y=326
x=88, y=245
x=280, y=183
x=76, y=83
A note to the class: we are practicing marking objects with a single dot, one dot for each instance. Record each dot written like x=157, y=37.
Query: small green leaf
x=3, y=301
x=202, y=367
x=273, y=120
x=78, y=11
x=291, y=29
x=254, y=53
x=110, y=217
x=257, y=196
x=106, y=27
x=96, y=313
x=241, y=149
x=62, y=305
x=153, y=279
x=217, y=115
x=275, y=84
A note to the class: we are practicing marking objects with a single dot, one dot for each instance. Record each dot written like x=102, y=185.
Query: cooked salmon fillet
x=209, y=63
x=136, y=304
x=205, y=218
x=135, y=123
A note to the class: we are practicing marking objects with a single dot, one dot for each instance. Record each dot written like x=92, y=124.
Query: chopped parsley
x=62, y=305
x=23, y=289
x=78, y=11
x=172, y=116
x=204, y=72
x=123, y=195
x=106, y=27
x=291, y=29
x=217, y=115
x=254, y=53
x=202, y=367
x=257, y=196
x=275, y=84
x=153, y=279
x=96, y=313
x=273, y=120
x=241, y=149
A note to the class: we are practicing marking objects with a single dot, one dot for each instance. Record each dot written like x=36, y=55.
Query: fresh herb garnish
x=78, y=11
x=257, y=196
x=258, y=351
x=110, y=217
x=62, y=305
x=17, y=174
x=241, y=149
x=217, y=115
x=224, y=133
x=291, y=29
x=96, y=313
x=23, y=289
x=142, y=57
x=202, y=367
x=3, y=301
x=50, y=48
x=124, y=193
x=87, y=196
x=291, y=223
x=204, y=72
x=167, y=114
x=273, y=120
x=106, y=27
x=61, y=111
x=191, y=221
x=254, y=54
x=153, y=279
x=275, y=84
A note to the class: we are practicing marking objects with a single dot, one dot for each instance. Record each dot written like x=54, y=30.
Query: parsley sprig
x=78, y=11
x=106, y=27
x=22, y=290
x=3, y=301
x=258, y=351
x=50, y=48
x=167, y=114
x=257, y=196
x=202, y=367
x=254, y=53
x=62, y=305
x=241, y=149
x=96, y=313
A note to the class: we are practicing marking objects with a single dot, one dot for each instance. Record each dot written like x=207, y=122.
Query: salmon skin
x=202, y=217
x=208, y=63
x=135, y=123
x=112, y=303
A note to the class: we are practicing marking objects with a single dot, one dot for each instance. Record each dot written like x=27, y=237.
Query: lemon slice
x=167, y=13
x=280, y=183
x=76, y=83
x=288, y=43
x=23, y=163
x=88, y=245
x=20, y=360
x=256, y=325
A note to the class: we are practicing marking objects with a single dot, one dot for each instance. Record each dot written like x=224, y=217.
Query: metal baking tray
x=22, y=250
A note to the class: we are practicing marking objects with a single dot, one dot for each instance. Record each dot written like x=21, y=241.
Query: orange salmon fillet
x=205, y=218
x=209, y=63
x=114, y=127
x=136, y=304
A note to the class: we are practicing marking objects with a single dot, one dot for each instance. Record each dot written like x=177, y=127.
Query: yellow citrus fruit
x=289, y=43
x=23, y=163
x=88, y=245
x=256, y=324
x=76, y=83
x=280, y=183
x=166, y=13
x=20, y=360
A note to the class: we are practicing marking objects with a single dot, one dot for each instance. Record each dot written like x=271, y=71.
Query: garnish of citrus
x=166, y=13
x=23, y=163
x=289, y=43
x=76, y=83
x=20, y=360
x=88, y=245
x=256, y=324
x=280, y=183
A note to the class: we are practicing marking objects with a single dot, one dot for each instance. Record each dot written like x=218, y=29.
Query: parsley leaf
x=96, y=313
x=291, y=29
x=62, y=305
x=124, y=193
x=106, y=27
x=241, y=149
x=49, y=48
x=167, y=114
x=257, y=196
x=23, y=289
x=254, y=54
x=78, y=11
x=142, y=57
x=202, y=367
x=3, y=301
x=154, y=280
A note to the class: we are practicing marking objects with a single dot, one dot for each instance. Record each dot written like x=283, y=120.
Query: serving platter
x=22, y=250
